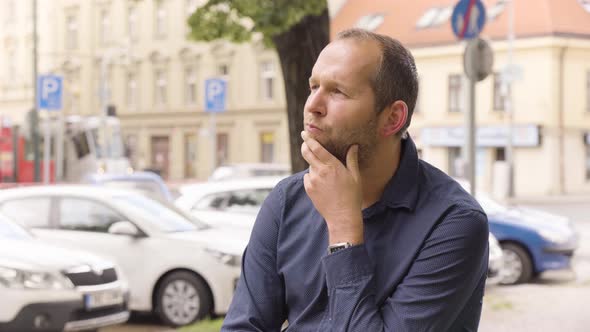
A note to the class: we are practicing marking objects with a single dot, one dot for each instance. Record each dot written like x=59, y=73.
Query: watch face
x=337, y=247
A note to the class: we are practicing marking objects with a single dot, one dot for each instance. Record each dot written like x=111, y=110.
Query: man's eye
x=313, y=87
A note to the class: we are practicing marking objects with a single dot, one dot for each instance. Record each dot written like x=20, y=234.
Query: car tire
x=518, y=266
x=182, y=298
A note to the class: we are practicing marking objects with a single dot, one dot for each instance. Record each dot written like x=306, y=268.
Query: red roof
x=531, y=18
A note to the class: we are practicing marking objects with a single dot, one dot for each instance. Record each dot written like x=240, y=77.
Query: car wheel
x=182, y=298
x=518, y=267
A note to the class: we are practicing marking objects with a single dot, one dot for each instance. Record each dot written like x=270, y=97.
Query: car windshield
x=167, y=218
x=10, y=230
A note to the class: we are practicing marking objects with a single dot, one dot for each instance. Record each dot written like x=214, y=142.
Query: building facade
x=144, y=65
x=133, y=58
x=550, y=96
x=16, y=55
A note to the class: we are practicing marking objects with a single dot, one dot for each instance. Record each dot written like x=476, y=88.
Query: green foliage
x=237, y=20
x=204, y=326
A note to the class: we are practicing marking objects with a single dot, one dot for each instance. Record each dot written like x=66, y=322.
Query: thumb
x=352, y=161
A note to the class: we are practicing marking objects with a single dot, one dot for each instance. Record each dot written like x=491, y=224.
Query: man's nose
x=316, y=103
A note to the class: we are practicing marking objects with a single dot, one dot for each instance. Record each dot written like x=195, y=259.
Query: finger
x=309, y=156
x=318, y=150
x=352, y=161
x=307, y=183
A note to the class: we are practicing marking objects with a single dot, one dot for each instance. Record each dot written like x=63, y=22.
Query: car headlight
x=554, y=236
x=16, y=278
x=225, y=258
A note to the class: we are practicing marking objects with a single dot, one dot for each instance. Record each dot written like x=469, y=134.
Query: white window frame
x=160, y=87
x=160, y=20
x=267, y=80
x=71, y=31
x=191, y=94
x=105, y=26
x=132, y=23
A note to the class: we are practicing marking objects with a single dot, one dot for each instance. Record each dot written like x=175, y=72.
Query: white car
x=249, y=170
x=178, y=268
x=48, y=288
x=230, y=203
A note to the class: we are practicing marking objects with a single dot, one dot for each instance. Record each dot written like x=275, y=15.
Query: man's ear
x=394, y=118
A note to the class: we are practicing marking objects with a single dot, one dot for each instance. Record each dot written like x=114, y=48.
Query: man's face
x=340, y=109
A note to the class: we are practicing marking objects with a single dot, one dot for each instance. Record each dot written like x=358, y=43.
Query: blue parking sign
x=215, y=90
x=49, y=92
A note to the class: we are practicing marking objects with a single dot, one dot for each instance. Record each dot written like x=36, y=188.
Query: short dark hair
x=396, y=77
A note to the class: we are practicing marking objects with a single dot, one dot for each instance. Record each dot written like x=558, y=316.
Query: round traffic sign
x=468, y=19
x=478, y=59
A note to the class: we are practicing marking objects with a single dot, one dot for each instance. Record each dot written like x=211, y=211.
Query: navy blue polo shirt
x=422, y=266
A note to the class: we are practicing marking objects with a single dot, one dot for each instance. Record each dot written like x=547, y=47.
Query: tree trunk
x=298, y=48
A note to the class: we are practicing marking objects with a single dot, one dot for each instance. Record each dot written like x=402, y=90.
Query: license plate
x=104, y=298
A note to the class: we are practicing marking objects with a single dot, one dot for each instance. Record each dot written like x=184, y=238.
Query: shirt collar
x=402, y=189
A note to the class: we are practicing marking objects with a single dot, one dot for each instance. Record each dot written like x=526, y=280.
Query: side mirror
x=124, y=228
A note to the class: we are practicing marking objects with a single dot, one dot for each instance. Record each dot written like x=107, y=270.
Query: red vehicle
x=83, y=152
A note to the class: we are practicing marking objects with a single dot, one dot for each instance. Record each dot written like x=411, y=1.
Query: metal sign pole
x=508, y=104
x=59, y=148
x=46, y=148
x=213, y=122
x=470, y=141
x=35, y=114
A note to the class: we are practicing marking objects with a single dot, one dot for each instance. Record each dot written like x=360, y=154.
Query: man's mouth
x=312, y=129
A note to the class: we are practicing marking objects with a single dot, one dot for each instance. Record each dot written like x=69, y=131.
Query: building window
x=456, y=163
x=500, y=93
x=105, y=26
x=160, y=20
x=267, y=144
x=132, y=94
x=222, y=149
x=132, y=23
x=190, y=86
x=71, y=32
x=267, y=80
x=500, y=154
x=455, y=93
x=161, y=87
x=190, y=155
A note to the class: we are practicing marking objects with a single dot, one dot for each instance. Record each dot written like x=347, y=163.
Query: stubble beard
x=365, y=136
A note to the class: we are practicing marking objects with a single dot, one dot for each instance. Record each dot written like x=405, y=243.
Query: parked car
x=249, y=170
x=48, y=288
x=178, y=268
x=148, y=183
x=232, y=203
x=532, y=241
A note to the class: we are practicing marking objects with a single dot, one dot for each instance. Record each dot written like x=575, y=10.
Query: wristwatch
x=338, y=246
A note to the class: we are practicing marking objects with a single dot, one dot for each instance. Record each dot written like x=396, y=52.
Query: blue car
x=532, y=241
x=148, y=183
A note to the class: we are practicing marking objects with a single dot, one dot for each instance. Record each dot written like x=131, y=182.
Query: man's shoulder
x=437, y=185
x=290, y=187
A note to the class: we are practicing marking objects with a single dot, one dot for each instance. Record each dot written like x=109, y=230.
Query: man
x=370, y=238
